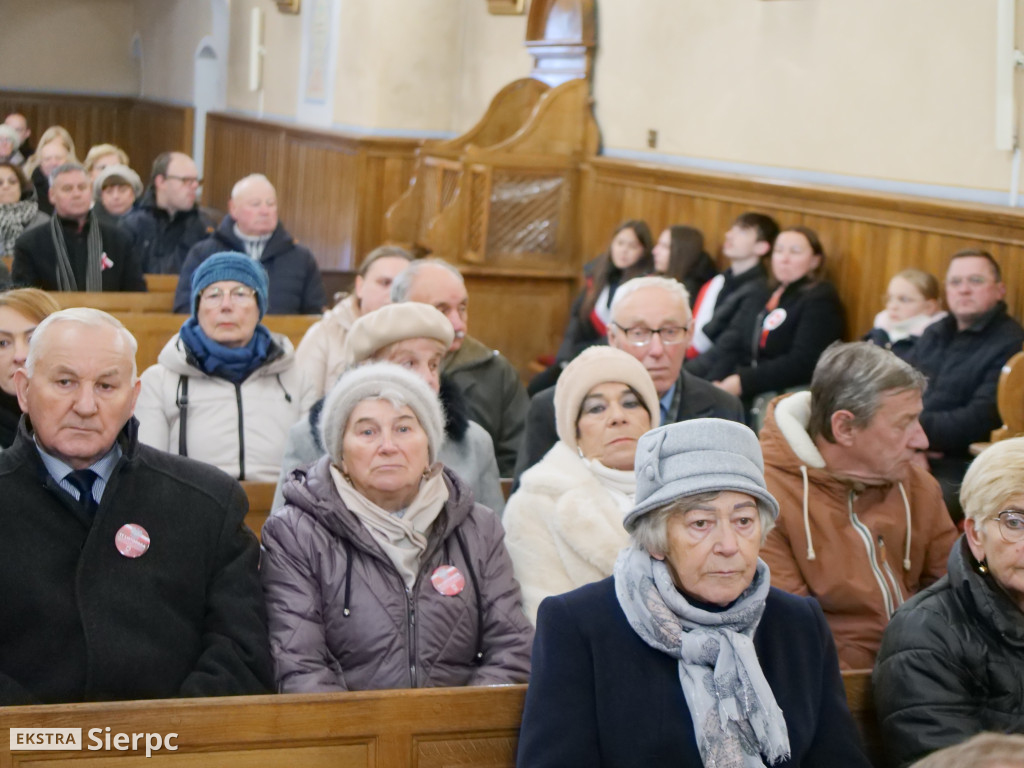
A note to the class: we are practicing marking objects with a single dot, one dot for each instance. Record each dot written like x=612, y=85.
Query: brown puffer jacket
x=341, y=617
x=865, y=563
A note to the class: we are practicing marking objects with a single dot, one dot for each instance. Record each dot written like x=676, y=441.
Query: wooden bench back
x=261, y=497
x=384, y=729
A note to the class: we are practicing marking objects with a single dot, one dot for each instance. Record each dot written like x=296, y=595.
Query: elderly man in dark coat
x=127, y=573
x=252, y=227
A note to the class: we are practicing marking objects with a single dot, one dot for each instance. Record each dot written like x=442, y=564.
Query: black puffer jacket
x=951, y=664
x=295, y=284
x=163, y=241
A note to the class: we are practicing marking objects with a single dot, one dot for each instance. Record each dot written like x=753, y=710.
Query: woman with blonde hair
x=55, y=148
x=21, y=310
x=952, y=659
x=102, y=156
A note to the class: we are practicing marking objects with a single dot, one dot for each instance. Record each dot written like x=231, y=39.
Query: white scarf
x=735, y=715
x=254, y=244
x=904, y=329
x=620, y=484
x=403, y=534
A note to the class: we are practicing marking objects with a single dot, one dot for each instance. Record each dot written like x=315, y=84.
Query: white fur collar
x=792, y=415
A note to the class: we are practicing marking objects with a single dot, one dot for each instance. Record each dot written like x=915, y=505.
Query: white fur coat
x=562, y=528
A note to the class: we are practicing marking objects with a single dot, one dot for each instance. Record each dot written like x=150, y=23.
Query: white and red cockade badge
x=132, y=540
x=105, y=262
x=448, y=580
x=775, y=318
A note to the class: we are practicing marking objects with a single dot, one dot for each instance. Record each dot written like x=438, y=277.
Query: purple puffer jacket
x=337, y=625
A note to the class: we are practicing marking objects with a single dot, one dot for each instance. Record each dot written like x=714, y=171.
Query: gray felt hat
x=697, y=456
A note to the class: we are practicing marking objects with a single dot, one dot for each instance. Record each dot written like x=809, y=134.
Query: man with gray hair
x=127, y=572
x=167, y=221
x=252, y=227
x=75, y=251
x=862, y=525
x=651, y=320
x=494, y=393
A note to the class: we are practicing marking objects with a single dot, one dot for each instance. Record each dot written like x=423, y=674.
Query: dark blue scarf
x=231, y=363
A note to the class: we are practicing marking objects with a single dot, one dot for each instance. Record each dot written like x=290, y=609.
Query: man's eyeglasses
x=640, y=336
x=1011, y=525
x=240, y=294
x=187, y=180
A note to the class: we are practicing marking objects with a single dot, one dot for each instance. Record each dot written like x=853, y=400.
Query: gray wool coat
x=340, y=615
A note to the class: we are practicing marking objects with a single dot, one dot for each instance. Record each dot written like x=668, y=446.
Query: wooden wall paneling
x=868, y=237
x=154, y=128
x=236, y=147
x=521, y=315
x=318, y=197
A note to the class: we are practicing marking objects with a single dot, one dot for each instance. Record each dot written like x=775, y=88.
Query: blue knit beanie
x=231, y=265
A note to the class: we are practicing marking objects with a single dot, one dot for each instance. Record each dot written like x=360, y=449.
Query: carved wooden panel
x=867, y=237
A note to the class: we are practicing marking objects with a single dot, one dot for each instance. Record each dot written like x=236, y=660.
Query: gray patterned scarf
x=735, y=716
x=14, y=217
x=94, y=248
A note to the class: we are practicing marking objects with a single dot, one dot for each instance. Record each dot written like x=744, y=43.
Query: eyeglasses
x=198, y=181
x=240, y=294
x=975, y=281
x=1011, y=525
x=640, y=336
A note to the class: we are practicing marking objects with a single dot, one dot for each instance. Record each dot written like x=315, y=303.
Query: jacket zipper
x=241, y=433
x=869, y=544
x=897, y=592
x=411, y=629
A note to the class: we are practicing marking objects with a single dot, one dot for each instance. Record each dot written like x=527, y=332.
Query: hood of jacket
x=312, y=491
x=175, y=358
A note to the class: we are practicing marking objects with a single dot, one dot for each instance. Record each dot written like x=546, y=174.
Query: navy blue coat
x=600, y=696
x=295, y=284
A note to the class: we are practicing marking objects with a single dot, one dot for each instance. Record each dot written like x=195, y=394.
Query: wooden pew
x=384, y=729
x=116, y=302
x=153, y=329
x=261, y=496
x=859, y=697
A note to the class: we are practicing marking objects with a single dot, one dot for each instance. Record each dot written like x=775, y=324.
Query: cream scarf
x=620, y=484
x=403, y=534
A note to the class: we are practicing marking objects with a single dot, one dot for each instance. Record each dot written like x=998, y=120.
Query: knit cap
x=231, y=265
x=116, y=174
x=380, y=381
x=697, y=456
x=593, y=366
x=395, y=322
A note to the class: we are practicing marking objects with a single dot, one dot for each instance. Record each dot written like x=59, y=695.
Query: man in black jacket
x=962, y=355
x=651, y=320
x=167, y=221
x=74, y=251
x=252, y=227
x=127, y=573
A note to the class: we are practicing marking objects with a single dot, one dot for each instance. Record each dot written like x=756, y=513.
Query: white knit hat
x=593, y=366
x=395, y=322
x=380, y=381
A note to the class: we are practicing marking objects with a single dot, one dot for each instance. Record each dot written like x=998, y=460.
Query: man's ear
x=762, y=248
x=843, y=429
x=21, y=381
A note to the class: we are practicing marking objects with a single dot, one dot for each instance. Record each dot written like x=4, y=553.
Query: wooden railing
x=868, y=237
x=426, y=728
x=141, y=128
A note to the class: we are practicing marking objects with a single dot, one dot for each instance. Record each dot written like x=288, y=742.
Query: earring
x=983, y=566
x=426, y=473
x=580, y=452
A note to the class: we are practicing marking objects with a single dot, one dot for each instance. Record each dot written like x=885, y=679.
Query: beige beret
x=593, y=366
x=395, y=322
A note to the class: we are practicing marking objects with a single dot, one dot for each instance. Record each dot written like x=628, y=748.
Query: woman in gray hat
x=381, y=571
x=686, y=655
